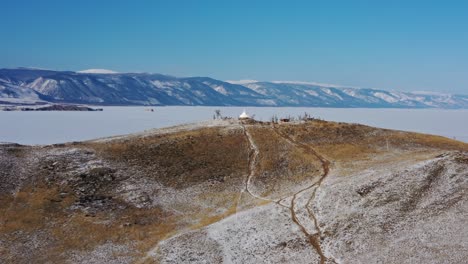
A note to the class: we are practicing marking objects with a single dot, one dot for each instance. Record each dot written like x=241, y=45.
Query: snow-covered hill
x=227, y=191
x=105, y=87
x=13, y=94
x=301, y=93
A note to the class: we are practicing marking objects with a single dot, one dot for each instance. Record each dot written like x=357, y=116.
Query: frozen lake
x=58, y=127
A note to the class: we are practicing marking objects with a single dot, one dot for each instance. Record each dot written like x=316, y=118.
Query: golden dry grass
x=280, y=163
x=197, y=155
x=38, y=209
x=342, y=141
x=184, y=158
x=187, y=158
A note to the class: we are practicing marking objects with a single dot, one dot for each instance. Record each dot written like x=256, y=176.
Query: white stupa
x=244, y=115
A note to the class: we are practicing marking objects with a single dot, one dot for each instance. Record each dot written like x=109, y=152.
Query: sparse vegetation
x=138, y=191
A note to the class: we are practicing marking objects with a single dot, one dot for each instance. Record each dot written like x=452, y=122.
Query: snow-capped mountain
x=104, y=87
x=304, y=94
x=16, y=94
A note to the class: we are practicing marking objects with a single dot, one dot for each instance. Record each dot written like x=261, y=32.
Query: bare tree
x=218, y=114
x=274, y=119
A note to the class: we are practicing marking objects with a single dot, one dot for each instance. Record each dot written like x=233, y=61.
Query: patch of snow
x=241, y=82
x=33, y=68
x=312, y=92
x=43, y=85
x=98, y=71
x=383, y=218
x=329, y=92
x=386, y=97
x=315, y=83
x=219, y=88
x=351, y=92
x=263, y=234
x=104, y=253
x=255, y=87
x=162, y=84
x=199, y=93
x=266, y=102
x=419, y=99
x=428, y=93
x=445, y=99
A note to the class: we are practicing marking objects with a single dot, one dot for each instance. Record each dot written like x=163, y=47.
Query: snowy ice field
x=58, y=127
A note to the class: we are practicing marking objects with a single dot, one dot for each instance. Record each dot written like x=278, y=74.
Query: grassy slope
x=205, y=168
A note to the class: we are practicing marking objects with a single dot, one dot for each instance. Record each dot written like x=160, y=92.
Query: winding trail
x=326, y=170
x=253, y=160
x=313, y=239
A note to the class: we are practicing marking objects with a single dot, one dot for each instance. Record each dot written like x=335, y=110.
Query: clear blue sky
x=400, y=45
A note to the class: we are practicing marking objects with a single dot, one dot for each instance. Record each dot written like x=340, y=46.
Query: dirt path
x=253, y=160
x=314, y=238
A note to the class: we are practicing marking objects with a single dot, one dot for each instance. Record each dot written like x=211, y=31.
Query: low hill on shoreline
x=237, y=192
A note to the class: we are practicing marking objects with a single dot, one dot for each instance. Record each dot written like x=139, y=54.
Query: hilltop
x=237, y=192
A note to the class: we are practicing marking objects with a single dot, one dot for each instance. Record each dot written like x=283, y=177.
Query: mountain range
x=104, y=87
